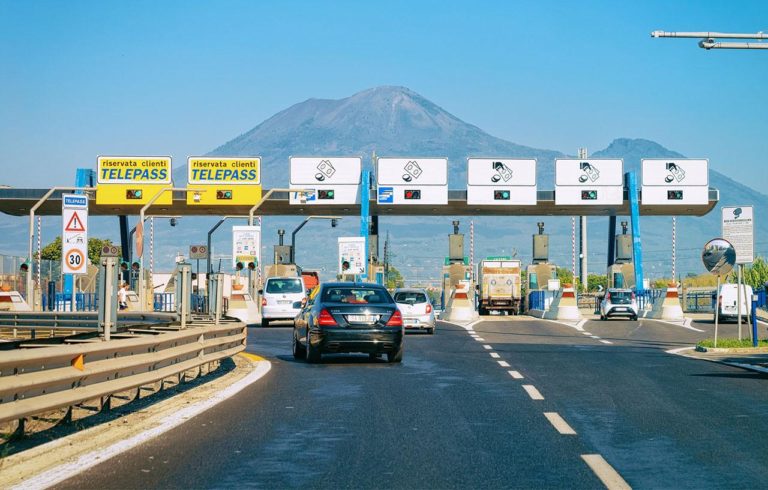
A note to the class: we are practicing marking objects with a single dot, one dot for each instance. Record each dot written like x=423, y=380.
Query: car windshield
x=354, y=295
x=410, y=297
x=278, y=286
x=621, y=297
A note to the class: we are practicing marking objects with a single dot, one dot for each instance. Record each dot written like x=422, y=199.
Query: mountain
x=395, y=121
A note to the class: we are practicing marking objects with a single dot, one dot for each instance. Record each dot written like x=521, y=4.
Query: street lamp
x=709, y=39
x=334, y=223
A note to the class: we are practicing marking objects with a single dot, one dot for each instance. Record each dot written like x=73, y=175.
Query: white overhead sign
x=738, y=228
x=74, y=234
x=412, y=181
x=589, y=181
x=675, y=181
x=352, y=255
x=334, y=180
x=501, y=181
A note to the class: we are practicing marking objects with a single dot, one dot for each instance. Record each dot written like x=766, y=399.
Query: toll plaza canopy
x=18, y=202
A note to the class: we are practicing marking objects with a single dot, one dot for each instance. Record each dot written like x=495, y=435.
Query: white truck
x=498, y=285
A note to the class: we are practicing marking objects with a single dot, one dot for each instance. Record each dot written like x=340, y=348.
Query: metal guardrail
x=37, y=380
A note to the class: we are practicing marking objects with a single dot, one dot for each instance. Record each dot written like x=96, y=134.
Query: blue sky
x=83, y=78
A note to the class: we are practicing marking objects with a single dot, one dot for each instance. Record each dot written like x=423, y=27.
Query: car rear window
x=278, y=286
x=356, y=295
x=407, y=297
x=620, y=298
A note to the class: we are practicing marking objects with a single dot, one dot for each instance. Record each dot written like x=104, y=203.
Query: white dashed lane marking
x=559, y=423
x=606, y=341
x=515, y=374
x=487, y=347
x=495, y=355
x=610, y=477
x=503, y=363
x=479, y=339
x=533, y=392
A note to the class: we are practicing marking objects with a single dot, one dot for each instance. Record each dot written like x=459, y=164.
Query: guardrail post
x=183, y=291
x=108, y=296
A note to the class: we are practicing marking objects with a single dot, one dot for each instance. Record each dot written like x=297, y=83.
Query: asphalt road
x=453, y=416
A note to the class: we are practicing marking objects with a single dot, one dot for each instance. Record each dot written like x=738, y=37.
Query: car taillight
x=263, y=301
x=326, y=319
x=396, y=320
x=429, y=308
x=633, y=296
x=607, y=296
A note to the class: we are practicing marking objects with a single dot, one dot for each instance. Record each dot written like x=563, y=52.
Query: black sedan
x=349, y=317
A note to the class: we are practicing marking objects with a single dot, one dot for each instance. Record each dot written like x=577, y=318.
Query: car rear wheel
x=431, y=331
x=395, y=356
x=299, y=352
x=313, y=353
x=264, y=322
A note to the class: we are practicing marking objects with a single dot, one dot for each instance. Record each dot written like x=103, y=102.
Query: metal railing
x=36, y=381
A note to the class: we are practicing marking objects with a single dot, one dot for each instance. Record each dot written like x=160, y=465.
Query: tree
x=52, y=251
x=596, y=280
x=565, y=276
x=755, y=275
x=394, y=279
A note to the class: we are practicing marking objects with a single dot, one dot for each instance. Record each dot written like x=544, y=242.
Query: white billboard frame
x=324, y=178
x=667, y=190
x=498, y=177
x=393, y=187
x=570, y=190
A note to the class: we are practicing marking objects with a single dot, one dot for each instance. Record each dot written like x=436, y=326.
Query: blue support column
x=365, y=196
x=634, y=214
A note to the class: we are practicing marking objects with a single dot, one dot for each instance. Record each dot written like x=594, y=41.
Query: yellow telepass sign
x=227, y=181
x=134, y=170
x=133, y=180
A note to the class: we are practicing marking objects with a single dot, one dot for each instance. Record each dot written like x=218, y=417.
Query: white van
x=282, y=299
x=728, y=298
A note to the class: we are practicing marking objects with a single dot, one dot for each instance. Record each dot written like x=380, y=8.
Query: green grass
x=732, y=343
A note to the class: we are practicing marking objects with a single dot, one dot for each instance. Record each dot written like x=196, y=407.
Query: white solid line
x=515, y=374
x=495, y=355
x=586, y=333
x=594, y=336
x=533, y=392
x=559, y=423
x=68, y=470
x=610, y=477
x=580, y=325
x=503, y=363
x=487, y=347
x=606, y=341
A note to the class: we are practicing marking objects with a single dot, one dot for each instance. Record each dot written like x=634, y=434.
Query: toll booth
x=540, y=271
x=621, y=274
x=456, y=266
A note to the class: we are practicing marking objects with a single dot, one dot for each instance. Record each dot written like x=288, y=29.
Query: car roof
x=283, y=277
x=410, y=290
x=619, y=290
x=350, y=284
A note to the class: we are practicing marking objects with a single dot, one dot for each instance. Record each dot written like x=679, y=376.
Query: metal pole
x=738, y=295
x=573, y=250
x=717, y=308
x=583, y=264
x=753, y=317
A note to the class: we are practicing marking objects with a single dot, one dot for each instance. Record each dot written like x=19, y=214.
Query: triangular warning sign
x=75, y=223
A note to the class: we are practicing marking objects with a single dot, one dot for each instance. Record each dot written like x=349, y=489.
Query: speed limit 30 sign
x=74, y=233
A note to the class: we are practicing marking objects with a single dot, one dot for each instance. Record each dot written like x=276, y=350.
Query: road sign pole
x=717, y=308
x=365, y=220
x=739, y=295
x=753, y=317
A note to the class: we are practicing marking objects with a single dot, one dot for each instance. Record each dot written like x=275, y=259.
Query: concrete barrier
x=565, y=306
x=461, y=305
x=667, y=307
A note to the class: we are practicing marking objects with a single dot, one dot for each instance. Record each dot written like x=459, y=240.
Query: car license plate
x=284, y=301
x=621, y=309
x=362, y=318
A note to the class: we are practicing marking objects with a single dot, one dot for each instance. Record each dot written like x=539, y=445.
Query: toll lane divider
x=35, y=381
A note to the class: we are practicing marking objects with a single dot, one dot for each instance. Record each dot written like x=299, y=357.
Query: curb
x=748, y=367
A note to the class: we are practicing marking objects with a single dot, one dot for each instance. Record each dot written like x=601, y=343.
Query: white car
x=282, y=299
x=618, y=302
x=418, y=313
x=729, y=297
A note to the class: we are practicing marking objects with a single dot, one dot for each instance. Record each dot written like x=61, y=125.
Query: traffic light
x=133, y=194
x=326, y=194
x=135, y=266
x=24, y=267
x=413, y=194
x=239, y=266
x=675, y=195
x=224, y=195
x=251, y=266
x=501, y=195
x=588, y=195
x=123, y=265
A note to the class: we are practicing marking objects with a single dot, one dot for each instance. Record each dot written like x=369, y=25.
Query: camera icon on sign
x=412, y=171
x=326, y=170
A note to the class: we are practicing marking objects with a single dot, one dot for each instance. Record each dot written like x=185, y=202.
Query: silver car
x=418, y=312
x=618, y=302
